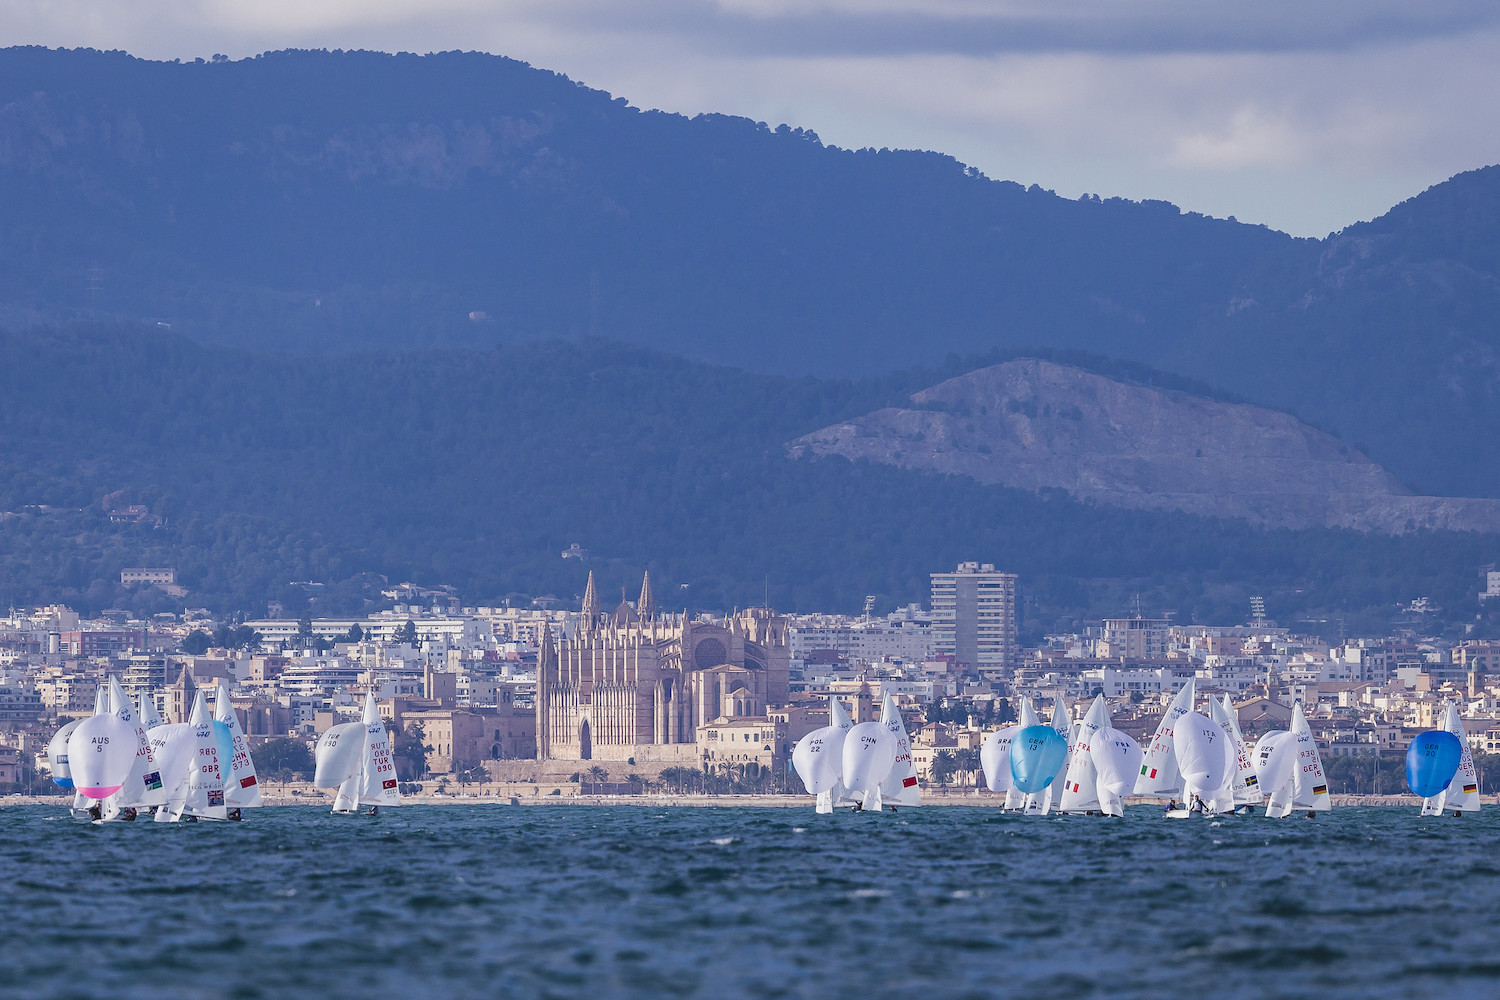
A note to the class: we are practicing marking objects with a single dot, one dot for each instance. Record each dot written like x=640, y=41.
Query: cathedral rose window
x=709, y=653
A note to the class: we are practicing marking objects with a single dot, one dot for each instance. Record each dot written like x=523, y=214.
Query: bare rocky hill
x=1037, y=425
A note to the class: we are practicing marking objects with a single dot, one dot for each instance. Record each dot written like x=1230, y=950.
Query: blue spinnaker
x=1036, y=756
x=1432, y=760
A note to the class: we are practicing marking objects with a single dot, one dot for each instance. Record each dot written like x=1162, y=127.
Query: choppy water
x=500, y=901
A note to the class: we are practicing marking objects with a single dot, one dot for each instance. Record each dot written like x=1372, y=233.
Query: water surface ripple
x=559, y=901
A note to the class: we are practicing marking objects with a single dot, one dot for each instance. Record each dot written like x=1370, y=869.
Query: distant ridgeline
x=318, y=201
x=478, y=469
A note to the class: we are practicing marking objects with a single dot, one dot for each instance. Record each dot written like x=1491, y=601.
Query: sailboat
x=1205, y=761
x=900, y=785
x=819, y=759
x=1241, y=790
x=1040, y=803
x=143, y=788
x=354, y=761
x=190, y=755
x=1080, y=792
x=1290, y=770
x=1462, y=793
x=1015, y=799
x=241, y=787
x=1117, y=762
x=869, y=754
x=1159, y=773
x=101, y=751
x=994, y=759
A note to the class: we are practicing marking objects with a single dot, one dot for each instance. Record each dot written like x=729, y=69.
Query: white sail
x=1244, y=788
x=378, y=786
x=1275, y=759
x=869, y=753
x=1117, y=762
x=241, y=784
x=339, y=754
x=818, y=759
x=101, y=751
x=205, y=785
x=994, y=759
x=144, y=787
x=346, y=798
x=900, y=786
x=1462, y=793
x=175, y=748
x=81, y=802
x=1081, y=782
x=57, y=755
x=1205, y=759
x=837, y=716
x=149, y=717
x=1159, y=775
x=1310, y=784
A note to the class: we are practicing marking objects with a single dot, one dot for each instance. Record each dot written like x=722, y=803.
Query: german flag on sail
x=1470, y=789
x=1320, y=789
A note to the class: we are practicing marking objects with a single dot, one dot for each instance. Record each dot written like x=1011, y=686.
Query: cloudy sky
x=1304, y=116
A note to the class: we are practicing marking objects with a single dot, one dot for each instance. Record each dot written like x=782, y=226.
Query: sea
x=461, y=901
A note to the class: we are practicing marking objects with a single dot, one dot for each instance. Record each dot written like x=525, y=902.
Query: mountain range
x=225, y=280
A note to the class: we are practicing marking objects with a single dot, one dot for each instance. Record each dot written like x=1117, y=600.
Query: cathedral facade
x=632, y=683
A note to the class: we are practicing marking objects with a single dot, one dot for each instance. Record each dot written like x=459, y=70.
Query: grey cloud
x=1099, y=26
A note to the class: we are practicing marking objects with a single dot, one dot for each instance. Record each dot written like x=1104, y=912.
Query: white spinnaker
x=378, y=770
x=819, y=760
x=144, y=787
x=1275, y=764
x=1159, y=775
x=1117, y=762
x=869, y=753
x=241, y=784
x=1222, y=798
x=994, y=759
x=1462, y=793
x=1204, y=758
x=101, y=752
x=1081, y=782
x=1014, y=798
x=205, y=785
x=1309, y=781
x=57, y=755
x=175, y=748
x=1246, y=786
x=339, y=754
x=900, y=786
x=81, y=802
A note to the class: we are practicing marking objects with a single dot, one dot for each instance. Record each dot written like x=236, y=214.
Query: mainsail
x=1159, y=774
x=1080, y=791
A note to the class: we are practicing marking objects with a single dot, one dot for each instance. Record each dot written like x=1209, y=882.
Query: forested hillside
x=478, y=468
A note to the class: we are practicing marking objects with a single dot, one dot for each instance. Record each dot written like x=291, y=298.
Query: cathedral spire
x=590, y=604
x=546, y=656
x=646, y=606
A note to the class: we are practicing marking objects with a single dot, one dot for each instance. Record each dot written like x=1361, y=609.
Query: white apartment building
x=974, y=617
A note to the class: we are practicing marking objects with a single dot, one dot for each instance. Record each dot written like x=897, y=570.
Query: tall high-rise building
x=974, y=616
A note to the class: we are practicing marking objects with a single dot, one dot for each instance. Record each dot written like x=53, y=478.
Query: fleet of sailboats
x=123, y=762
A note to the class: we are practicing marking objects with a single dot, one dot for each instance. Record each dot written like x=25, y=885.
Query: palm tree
x=598, y=775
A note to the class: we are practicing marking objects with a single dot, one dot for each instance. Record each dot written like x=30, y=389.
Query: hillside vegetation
x=477, y=469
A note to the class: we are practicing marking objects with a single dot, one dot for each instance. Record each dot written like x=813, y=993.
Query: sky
x=1306, y=117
